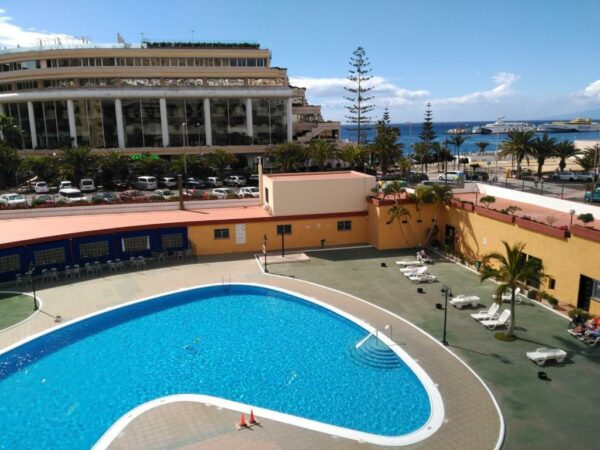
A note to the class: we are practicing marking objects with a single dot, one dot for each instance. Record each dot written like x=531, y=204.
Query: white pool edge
x=502, y=431
x=433, y=423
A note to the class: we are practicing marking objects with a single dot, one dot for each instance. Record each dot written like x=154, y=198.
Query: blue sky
x=471, y=59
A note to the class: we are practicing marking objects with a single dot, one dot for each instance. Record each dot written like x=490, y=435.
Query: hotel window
x=5, y=87
x=49, y=256
x=59, y=84
x=344, y=225
x=26, y=85
x=20, y=117
x=93, y=249
x=135, y=244
x=228, y=119
x=596, y=289
x=171, y=241
x=190, y=112
x=52, y=124
x=284, y=229
x=10, y=263
x=221, y=233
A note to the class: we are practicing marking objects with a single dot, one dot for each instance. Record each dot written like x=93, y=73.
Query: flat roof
x=307, y=176
x=23, y=231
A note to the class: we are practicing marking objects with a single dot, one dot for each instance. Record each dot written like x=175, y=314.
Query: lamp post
x=32, y=272
x=282, y=241
x=184, y=136
x=497, y=144
x=264, y=249
x=572, y=213
x=445, y=292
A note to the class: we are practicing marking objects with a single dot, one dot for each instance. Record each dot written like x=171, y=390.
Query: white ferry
x=570, y=126
x=500, y=126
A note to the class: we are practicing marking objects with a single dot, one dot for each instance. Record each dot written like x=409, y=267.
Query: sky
x=472, y=60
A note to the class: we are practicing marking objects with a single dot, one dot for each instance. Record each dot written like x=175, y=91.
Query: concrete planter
x=468, y=206
x=585, y=232
x=542, y=228
x=493, y=214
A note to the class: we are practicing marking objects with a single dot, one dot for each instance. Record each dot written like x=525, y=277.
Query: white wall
x=539, y=200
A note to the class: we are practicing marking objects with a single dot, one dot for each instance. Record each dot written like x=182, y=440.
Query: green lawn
x=14, y=308
x=555, y=414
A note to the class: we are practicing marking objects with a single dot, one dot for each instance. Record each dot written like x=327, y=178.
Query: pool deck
x=471, y=418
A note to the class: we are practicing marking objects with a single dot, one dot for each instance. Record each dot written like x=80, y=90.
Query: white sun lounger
x=423, y=278
x=406, y=263
x=508, y=294
x=491, y=313
x=501, y=321
x=463, y=300
x=414, y=270
x=543, y=354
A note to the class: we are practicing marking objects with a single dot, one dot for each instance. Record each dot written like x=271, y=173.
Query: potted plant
x=487, y=200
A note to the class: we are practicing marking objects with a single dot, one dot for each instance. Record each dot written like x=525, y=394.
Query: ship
x=500, y=126
x=570, y=126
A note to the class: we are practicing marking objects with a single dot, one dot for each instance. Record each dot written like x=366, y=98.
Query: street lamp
x=184, y=136
x=264, y=249
x=281, y=230
x=32, y=275
x=572, y=213
x=445, y=292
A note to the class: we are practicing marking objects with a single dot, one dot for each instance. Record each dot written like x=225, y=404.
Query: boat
x=458, y=131
x=574, y=125
x=500, y=126
x=480, y=130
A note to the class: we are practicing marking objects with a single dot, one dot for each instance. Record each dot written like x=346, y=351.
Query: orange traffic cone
x=253, y=420
x=242, y=423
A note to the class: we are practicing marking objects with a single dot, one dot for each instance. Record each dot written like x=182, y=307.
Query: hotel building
x=165, y=98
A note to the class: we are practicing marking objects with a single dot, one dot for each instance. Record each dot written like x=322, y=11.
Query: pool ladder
x=375, y=333
x=226, y=284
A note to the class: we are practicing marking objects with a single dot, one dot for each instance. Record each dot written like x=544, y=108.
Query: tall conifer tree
x=427, y=134
x=358, y=111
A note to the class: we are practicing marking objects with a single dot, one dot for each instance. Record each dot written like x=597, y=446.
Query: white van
x=87, y=185
x=147, y=183
x=41, y=187
x=71, y=195
x=65, y=184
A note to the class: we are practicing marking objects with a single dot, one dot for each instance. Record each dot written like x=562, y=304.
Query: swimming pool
x=246, y=343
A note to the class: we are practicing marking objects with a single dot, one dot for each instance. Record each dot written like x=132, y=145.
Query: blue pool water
x=247, y=344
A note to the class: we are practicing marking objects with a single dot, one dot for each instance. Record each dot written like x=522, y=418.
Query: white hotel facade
x=165, y=98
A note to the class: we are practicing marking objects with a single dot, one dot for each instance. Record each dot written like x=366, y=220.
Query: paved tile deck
x=471, y=420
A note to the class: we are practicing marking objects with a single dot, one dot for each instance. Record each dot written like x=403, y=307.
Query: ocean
x=409, y=134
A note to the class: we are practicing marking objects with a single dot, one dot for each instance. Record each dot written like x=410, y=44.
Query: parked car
x=451, y=176
x=41, y=187
x=146, y=183
x=249, y=192
x=194, y=183
x=13, y=200
x=105, y=197
x=573, y=176
x=477, y=176
x=195, y=194
x=168, y=182
x=87, y=185
x=214, y=182
x=236, y=180
x=414, y=177
x=253, y=179
x=222, y=193
x=43, y=199
x=165, y=194
x=71, y=195
x=65, y=185
x=132, y=195
x=592, y=196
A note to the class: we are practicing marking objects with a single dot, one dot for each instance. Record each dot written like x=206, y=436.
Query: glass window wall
x=191, y=113
x=152, y=132
x=228, y=119
x=132, y=123
x=20, y=118
x=51, y=124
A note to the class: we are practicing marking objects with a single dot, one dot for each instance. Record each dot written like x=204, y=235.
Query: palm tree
x=422, y=154
x=287, y=157
x=564, y=150
x=354, y=155
x=457, y=140
x=509, y=270
x=588, y=160
x=439, y=195
x=9, y=164
x=482, y=146
x=114, y=166
x=543, y=148
x=44, y=167
x=321, y=150
x=519, y=145
x=77, y=163
x=396, y=212
x=220, y=160
x=420, y=196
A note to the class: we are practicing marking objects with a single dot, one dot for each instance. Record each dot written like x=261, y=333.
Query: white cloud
x=12, y=35
x=502, y=90
x=590, y=93
x=330, y=92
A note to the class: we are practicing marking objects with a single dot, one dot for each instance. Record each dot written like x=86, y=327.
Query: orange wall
x=305, y=233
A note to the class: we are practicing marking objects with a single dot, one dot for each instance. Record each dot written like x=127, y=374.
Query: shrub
x=585, y=218
x=512, y=209
x=579, y=312
x=487, y=200
x=97, y=201
x=231, y=196
x=532, y=294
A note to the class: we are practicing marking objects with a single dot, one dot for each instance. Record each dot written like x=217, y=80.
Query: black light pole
x=265, y=250
x=32, y=271
x=283, y=243
x=446, y=292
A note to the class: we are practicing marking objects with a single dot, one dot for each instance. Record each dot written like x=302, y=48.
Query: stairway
x=376, y=354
